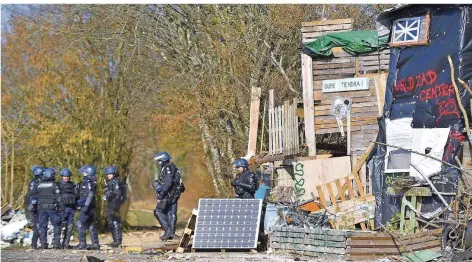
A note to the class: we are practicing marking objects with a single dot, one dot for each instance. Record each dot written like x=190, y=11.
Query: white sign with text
x=345, y=84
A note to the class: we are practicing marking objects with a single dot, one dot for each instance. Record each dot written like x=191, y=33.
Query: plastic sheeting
x=353, y=42
x=419, y=85
x=429, y=141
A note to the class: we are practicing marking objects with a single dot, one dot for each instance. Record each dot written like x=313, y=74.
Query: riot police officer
x=69, y=198
x=114, y=196
x=168, y=190
x=32, y=201
x=86, y=205
x=50, y=208
x=245, y=184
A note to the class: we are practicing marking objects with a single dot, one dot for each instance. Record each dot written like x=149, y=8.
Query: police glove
x=104, y=198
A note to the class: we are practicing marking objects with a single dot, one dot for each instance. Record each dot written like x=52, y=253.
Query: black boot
x=34, y=240
x=82, y=237
x=172, y=223
x=94, y=236
x=57, y=237
x=162, y=219
x=67, y=236
x=117, y=234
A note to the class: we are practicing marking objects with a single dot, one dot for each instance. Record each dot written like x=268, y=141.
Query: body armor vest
x=68, y=193
x=47, y=195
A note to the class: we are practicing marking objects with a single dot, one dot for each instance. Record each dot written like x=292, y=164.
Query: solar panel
x=227, y=223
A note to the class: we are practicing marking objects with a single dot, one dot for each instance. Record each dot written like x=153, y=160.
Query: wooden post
x=254, y=120
x=263, y=124
x=309, y=103
x=281, y=129
x=271, y=121
x=348, y=132
x=297, y=132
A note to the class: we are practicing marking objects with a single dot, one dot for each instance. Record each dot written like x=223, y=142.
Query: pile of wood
x=309, y=241
x=370, y=245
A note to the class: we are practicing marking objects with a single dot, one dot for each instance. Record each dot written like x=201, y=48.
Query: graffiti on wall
x=299, y=179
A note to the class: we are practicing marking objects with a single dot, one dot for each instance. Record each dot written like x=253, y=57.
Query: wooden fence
x=284, y=136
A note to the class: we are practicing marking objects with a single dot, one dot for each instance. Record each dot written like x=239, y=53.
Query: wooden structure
x=308, y=240
x=284, y=137
x=366, y=104
x=185, y=241
x=354, y=208
x=370, y=245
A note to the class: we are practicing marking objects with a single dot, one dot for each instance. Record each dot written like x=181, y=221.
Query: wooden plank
x=340, y=190
x=355, y=100
x=283, y=236
x=380, y=87
x=285, y=128
x=321, y=196
x=373, y=68
x=327, y=22
x=374, y=57
x=347, y=65
x=331, y=119
x=351, y=191
x=421, y=246
x=297, y=136
x=280, y=130
x=334, y=71
x=332, y=60
x=351, y=94
x=334, y=202
x=334, y=76
x=375, y=62
x=254, y=120
x=271, y=121
x=363, y=227
x=374, y=251
x=308, y=98
x=371, y=243
x=325, y=28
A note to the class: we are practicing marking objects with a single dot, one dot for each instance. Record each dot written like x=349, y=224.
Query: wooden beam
x=271, y=121
x=308, y=103
x=254, y=120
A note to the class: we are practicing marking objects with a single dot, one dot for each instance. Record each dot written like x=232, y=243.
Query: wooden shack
x=294, y=125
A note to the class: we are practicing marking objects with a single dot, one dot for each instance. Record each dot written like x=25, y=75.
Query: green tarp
x=353, y=42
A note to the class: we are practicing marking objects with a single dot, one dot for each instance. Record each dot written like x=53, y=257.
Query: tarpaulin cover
x=419, y=85
x=353, y=42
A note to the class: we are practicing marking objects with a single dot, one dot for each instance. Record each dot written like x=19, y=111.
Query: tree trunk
x=5, y=192
x=12, y=171
x=207, y=156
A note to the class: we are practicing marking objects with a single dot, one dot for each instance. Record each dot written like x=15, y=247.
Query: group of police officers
x=58, y=202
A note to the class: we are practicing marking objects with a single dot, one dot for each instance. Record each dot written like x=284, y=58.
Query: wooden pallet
x=371, y=245
x=188, y=233
x=356, y=205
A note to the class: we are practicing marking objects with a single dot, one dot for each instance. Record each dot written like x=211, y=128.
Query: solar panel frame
x=212, y=234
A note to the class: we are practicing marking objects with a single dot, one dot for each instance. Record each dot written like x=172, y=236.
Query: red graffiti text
x=441, y=90
x=447, y=108
x=407, y=84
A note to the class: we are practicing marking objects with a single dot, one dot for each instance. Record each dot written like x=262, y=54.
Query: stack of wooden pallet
x=311, y=241
x=355, y=208
x=185, y=241
x=371, y=245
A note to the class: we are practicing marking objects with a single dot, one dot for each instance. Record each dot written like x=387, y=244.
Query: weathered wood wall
x=367, y=104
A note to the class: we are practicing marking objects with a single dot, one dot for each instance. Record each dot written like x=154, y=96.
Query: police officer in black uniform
x=69, y=198
x=86, y=205
x=32, y=200
x=168, y=190
x=245, y=184
x=115, y=197
x=50, y=208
